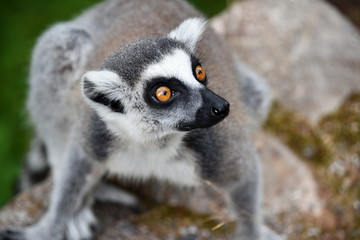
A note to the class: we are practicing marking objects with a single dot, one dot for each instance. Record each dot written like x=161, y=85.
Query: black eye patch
x=178, y=90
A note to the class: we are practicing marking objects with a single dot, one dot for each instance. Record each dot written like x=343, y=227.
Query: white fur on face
x=106, y=82
x=110, y=84
x=189, y=32
x=129, y=125
x=175, y=65
x=102, y=77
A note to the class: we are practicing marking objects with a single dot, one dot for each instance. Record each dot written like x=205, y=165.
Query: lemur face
x=155, y=86
x=175, y=90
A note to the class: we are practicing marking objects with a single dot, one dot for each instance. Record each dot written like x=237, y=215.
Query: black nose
x=214, y=108
x=221, y=111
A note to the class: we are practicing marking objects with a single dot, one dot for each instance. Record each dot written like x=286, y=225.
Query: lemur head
x=155, y=86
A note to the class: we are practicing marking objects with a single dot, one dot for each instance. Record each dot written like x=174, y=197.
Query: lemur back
x=140, y=89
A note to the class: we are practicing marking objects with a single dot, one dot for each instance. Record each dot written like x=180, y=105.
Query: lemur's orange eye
x=163, y=94
x=200, y=73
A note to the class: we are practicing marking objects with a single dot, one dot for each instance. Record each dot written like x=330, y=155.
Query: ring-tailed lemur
x=145, y=111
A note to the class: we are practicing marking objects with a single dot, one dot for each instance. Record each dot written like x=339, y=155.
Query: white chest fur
x=141, y=163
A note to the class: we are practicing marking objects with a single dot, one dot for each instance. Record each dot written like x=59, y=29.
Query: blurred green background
x=21, y=22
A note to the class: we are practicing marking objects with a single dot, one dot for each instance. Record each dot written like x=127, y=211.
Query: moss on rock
x=182, y=221
x=333, y=149
x=307, y=141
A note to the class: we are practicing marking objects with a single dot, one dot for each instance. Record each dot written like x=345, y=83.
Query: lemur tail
x=255, y=93
x=35, y=167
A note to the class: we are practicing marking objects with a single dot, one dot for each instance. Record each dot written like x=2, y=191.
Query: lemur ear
x=189, y=32
x=102, y=87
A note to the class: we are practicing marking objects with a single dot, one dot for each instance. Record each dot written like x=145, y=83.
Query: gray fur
x=255, y=93
x=102, y=122
x=100, y=139
x=35, y=168
x=130, y=60
x=208, y=151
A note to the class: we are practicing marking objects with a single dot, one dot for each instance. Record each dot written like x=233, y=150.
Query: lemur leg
x=246, y=204
x=76, y=179
x=245, y=196
x=35, y=168
x=83, y=225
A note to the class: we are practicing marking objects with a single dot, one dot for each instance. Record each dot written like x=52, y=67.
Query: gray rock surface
x=289, y=190
x=288, y=182
x=306, y=49
x=289, y=186
x=120, y=222
x=117, y=221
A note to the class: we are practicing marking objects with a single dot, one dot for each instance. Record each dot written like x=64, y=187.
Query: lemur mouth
x=214, y=110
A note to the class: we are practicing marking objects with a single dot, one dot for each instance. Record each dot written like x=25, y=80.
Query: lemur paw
x=12, y=234
x=82, y=227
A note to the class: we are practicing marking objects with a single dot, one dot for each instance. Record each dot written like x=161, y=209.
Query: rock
x=289, y=187
x=26, y=208
x=309, y=53
x=154, y=222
